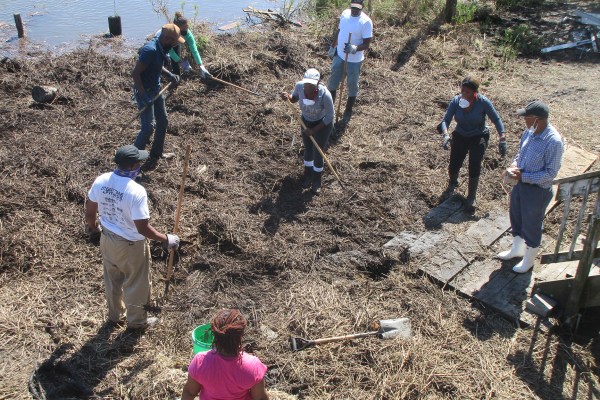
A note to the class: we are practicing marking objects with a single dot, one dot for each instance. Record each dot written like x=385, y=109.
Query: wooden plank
x=444, y=265
x=578, y=188
x=487, y=230
x=229, y=26
x=583, y=271
x=470, y=280
x=574, y=178
x=548, y=258
x=507, y=292
x=439, y=214
x=550, y=272
x=575, y=161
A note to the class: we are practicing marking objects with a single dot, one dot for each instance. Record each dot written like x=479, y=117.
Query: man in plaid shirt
x=534, y=168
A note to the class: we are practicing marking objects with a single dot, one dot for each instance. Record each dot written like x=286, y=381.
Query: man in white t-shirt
x=122, y=207
x=352, y=21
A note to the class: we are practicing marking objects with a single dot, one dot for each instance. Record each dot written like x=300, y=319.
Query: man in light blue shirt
x=534, y=168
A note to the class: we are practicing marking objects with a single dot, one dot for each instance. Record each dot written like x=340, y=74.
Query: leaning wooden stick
x=177, y=215
x=337, y=116
x=153, y=100
x=235, y=86
x=315, y=144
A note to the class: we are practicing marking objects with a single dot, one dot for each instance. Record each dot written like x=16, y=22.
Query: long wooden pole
x=316, y=144
x=235, y=86
x=337, y=115
x=188, y=150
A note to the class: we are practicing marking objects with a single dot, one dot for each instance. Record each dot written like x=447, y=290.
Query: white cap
x=311, y=76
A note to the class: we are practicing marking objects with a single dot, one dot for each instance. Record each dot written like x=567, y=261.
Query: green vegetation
x=519, y=39
x=466, y=12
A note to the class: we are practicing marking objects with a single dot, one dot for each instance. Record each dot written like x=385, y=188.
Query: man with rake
x=146, y=78
x=122, y=207
x=356, y=22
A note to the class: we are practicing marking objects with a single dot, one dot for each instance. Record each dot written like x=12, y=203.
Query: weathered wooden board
x=575, y=161
x=434, y=218
x=507, y=292
x=230, y=26
x=456, y=255
x=488, y=230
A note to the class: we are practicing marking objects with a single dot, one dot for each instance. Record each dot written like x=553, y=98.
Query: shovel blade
x=391, y=328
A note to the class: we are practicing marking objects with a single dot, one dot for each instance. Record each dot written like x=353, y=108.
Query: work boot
x=452, y=185
x=528, y=260
x=471, y=203
x=517, y=249
x=348, y=110
x=333, y=93
x=150, y=164
x=307, y=177
x=316, y=183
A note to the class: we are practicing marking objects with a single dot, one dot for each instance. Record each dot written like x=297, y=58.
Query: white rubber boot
x=516, y=250
x=528, y=260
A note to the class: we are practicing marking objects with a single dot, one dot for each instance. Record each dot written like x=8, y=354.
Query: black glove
x=146, y=100
x=204, y=74
x=502, y=147
x=174, y=79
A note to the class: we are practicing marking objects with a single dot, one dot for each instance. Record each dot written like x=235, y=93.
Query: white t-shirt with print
x=361, y=28
x=120, y=201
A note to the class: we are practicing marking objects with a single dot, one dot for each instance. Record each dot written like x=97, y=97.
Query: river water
x=62, y=25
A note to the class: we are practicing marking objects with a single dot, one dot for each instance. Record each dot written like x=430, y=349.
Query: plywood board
x=436, y=216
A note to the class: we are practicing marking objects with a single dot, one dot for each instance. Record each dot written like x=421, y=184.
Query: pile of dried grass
x=295, y=265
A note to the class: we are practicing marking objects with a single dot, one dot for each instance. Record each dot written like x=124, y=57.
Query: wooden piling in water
x=19, y=24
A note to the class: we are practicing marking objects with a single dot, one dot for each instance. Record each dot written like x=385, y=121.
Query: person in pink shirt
x=226, y=372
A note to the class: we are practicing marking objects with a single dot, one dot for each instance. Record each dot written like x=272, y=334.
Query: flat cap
x=537, y=108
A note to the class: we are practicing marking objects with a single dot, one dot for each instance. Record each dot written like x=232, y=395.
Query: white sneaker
x=528, y=260
x=516, y=250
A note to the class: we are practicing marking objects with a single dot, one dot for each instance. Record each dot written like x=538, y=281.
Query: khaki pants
x=127, y=280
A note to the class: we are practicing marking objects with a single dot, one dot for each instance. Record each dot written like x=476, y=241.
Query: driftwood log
x=44, y=94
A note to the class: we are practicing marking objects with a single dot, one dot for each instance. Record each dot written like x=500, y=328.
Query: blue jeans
x=352, y=75
x=156, y=112
x=527, y=210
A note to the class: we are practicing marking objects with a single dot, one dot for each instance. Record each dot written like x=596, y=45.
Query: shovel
x=388, y=329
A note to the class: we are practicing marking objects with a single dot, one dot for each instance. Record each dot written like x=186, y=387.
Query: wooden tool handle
x=153, y=100
x=344, y=337
x=337, y=115
x=235, y=86
x=188, y=150
x=315, y=143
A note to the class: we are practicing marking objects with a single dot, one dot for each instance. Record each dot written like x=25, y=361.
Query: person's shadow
x=74, y=375
x=290, y=202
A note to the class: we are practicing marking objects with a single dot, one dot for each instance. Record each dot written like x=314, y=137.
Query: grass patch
x=519, y=40
x=465, y=12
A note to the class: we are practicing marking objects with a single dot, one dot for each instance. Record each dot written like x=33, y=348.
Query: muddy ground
x=251, y=238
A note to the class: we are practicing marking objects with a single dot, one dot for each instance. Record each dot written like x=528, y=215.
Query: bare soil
x=295, y=264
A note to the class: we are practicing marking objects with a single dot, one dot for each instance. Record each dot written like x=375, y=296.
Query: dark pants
x=461, y=145
x=175, y=65
x=321, y=137
x=527, y=210
x=157, y=112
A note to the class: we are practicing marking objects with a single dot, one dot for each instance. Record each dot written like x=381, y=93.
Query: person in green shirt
x=175, y=52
